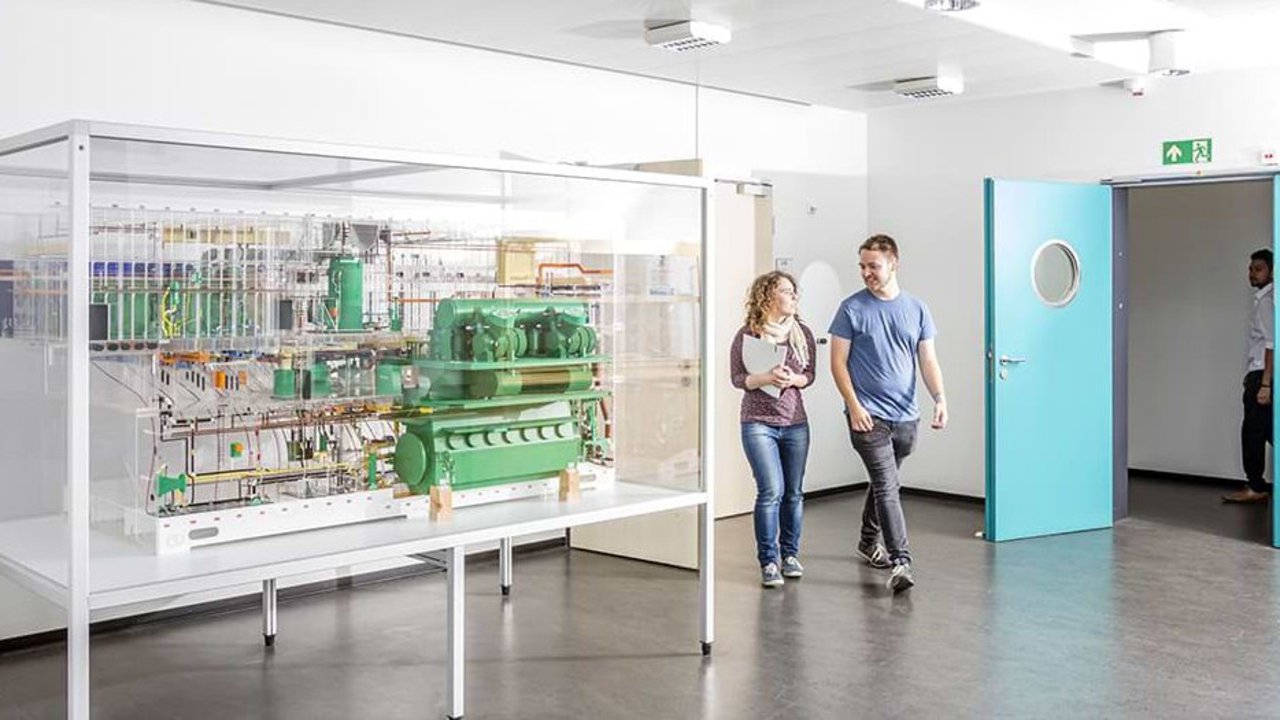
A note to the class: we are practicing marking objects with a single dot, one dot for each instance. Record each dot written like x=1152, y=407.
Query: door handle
x=1006, y=360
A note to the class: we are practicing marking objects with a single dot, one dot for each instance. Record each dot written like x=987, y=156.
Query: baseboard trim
x=253, y=601
x=855, y=487
x=942, y=495
x=837, y=490
x=1185, y=477
x=917, y=492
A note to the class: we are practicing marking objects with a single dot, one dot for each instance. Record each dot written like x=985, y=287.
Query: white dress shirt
x=1261, y=327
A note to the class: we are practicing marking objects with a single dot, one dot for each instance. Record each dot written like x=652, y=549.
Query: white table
x=34, y=552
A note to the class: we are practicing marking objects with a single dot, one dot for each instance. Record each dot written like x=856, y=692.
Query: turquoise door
x=1048, y=345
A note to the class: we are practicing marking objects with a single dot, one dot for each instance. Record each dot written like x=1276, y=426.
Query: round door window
x=1055, y=273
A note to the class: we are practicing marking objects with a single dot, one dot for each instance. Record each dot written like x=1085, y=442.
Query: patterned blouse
x=758, y=405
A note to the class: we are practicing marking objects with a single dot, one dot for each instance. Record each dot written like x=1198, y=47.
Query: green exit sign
x=1187, y=152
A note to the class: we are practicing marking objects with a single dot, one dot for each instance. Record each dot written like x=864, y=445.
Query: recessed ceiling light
x=950, y=5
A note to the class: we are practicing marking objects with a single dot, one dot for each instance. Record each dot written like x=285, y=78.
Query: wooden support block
x=441, y=503
x=570, y=485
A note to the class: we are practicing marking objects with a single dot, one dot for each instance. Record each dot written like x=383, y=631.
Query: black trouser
x=1255, y=433
x=883, y=449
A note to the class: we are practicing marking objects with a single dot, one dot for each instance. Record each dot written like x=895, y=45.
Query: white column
x=706, y=577
x=710, y=385
x=78, y=429
x=454, y=691
x=504, y=564
x=269, y=612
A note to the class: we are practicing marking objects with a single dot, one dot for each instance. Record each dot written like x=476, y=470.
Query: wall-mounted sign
x=1187, y=152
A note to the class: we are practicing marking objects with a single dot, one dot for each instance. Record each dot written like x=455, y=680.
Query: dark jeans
x=1255, y=433
x=777, y=456
x=883, y=448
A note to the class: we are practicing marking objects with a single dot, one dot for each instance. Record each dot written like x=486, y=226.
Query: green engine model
x=511, y=394
x=481, y=449
x=503, y=330
x=500, y=348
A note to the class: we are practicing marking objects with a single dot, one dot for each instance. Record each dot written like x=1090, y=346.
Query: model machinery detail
x=272, y=374
x=512, y=383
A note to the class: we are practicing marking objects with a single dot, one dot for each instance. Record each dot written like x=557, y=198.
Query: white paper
x=762, y=356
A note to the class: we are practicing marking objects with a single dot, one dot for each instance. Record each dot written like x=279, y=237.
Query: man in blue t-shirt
x=877, y=338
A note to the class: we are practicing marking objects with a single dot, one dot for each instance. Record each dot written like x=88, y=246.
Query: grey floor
x=1173, y=614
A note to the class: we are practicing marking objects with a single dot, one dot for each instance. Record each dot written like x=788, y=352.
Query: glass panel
x=633, y=252
x=1056, y=273
x=281, y=343
x=34, y=220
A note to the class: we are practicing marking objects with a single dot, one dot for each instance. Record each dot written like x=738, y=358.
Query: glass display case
x=212, y=340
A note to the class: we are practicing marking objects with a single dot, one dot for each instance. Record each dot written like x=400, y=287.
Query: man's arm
x=1264, y=392
x=931, y=370
x=859, y=419
x=1268, y=312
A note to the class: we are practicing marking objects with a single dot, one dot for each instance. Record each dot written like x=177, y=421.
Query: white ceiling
x=814, y=50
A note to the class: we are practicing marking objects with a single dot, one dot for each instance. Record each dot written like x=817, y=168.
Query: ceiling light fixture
x=950, y=5
x=1165, y=58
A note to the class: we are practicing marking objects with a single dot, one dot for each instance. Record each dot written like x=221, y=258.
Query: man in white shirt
x=1255, y=431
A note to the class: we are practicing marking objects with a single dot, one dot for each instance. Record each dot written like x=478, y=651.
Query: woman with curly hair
x=775, y=430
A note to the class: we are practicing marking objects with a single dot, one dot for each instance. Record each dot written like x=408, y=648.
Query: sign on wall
x=1187, y=152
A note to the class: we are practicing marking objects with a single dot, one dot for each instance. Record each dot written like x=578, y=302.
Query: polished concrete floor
x=1174, y=614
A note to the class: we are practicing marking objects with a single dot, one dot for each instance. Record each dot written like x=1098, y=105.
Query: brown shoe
x=1246, y=495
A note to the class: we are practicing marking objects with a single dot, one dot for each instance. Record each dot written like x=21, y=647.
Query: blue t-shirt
x=885, y=337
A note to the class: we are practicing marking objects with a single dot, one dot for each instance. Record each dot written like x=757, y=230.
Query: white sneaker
x=900, y=579
x=791, y=567
x=770, y=577
x=876, y=556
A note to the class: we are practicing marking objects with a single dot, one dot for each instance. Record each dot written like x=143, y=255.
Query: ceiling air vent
x=688, y=35
x=929, y=87
x=950, y=5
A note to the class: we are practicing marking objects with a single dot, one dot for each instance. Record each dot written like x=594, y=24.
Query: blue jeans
x=777, y=456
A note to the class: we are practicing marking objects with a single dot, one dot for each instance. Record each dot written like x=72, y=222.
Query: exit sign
x=1187, y=152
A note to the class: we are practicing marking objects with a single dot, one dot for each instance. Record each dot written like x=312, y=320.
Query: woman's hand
x=781, y=377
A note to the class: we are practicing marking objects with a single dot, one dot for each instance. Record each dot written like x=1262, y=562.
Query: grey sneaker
x=791, y=567
x=770, y=577
x=875, y=556
x=900, y=579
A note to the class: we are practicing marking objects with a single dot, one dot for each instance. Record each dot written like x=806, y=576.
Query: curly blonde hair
x=760, y=295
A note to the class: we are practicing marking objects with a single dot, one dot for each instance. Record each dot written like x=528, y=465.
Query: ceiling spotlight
x=1135, y=86
x=950, y=5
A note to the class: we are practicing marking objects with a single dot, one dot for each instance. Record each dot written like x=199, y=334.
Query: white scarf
x=788, y=331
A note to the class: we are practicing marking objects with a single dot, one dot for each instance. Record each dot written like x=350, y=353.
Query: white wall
x=820, y=221
x=926, y=168
x=1189, y=309
x=192, y=65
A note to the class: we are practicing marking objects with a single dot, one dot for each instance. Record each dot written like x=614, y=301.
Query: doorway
x=1182, y=252
x=1058, y=344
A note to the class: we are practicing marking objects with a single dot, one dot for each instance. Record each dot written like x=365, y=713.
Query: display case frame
x=59, y=560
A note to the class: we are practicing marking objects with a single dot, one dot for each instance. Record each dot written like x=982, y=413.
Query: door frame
x=1120, y=316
